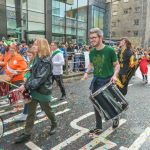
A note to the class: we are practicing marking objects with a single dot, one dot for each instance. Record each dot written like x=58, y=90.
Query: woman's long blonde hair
x=43, y=47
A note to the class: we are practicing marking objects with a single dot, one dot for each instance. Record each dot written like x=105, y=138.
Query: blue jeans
x=25, y=110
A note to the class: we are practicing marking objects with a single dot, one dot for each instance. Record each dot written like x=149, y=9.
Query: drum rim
x=1, y=120
x=100, y=89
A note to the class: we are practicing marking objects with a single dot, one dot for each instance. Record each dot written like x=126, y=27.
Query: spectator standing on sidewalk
x=58, y=62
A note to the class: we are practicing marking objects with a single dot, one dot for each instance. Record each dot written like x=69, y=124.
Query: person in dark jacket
x=40, y=86
x=126, y=61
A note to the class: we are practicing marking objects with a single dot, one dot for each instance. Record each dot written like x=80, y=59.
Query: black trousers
x=125, y=82
x=59, y=81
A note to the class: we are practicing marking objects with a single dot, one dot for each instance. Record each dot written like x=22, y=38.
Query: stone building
x=130, y=18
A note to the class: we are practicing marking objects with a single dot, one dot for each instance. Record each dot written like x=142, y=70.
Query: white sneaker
x=41, y=114
x=21, y=117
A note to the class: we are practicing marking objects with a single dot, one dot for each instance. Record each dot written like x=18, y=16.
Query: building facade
x=130, y=18
x=59, y=20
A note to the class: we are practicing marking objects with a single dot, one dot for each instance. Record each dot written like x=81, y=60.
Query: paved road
x=75, y=117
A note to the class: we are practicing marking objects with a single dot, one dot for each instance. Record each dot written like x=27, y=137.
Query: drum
x=1, y=127
x=15, y=96
x=4, y=89
x=109, y=100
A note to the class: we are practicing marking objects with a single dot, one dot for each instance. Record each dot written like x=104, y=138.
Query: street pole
x=110, y=22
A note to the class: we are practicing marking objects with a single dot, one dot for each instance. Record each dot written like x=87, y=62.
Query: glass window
x=137, y=9
x=58, y=8
x=24, y=4
x=36, y=5
x=96, y=18
x=58, y=20
x=136, y=21
x=11, y=13
x=82, y=3
x=10, y=3
x=71, y=10
x=32, y=26
x=71, y=31
x=33, y=37
x=82, y=13
x=34, y=16
x=135, y=33
x=125, y=11
x=58, y=16
x=11, y=23
x=24, y=19
x=57, y=29
x=101, y=20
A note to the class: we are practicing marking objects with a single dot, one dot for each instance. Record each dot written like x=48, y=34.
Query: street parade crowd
x=30, y=71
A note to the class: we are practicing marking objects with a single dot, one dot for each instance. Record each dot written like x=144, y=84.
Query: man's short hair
x=97, y=31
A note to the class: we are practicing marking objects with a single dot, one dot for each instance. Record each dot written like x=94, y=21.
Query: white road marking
x=102, y=138
x=130, y=84
x=75, y=136
x=32, y=146
x=14, y=117
x=108, y=145
x=8, y=112
x=38, y=121
x=74, y=125
x=139, y=141
x=123, y=148
x=4, y=105
x=3, y=102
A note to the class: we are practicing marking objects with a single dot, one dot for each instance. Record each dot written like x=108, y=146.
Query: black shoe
x=115, y=123
x=63, y=97
x=96, y=131
x=22, y=138
x=52, y=130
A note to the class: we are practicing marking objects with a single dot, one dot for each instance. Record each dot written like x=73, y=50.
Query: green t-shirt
x=102, y=61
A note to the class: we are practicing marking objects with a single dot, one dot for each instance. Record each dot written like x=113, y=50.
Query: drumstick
x=23, y=70
x=9, y=83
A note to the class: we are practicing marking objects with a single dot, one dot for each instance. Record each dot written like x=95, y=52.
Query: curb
x=73, y=75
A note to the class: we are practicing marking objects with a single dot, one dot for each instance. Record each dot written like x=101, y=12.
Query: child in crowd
x=31, y=55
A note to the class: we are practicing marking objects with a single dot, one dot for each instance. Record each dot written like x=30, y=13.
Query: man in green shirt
x=104, y=61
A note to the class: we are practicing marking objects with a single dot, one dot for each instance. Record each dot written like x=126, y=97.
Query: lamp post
x=110, y=29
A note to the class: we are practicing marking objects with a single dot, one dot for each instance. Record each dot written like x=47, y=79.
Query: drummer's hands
x=85, y=77
x=22, y=88
x=113, y=79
